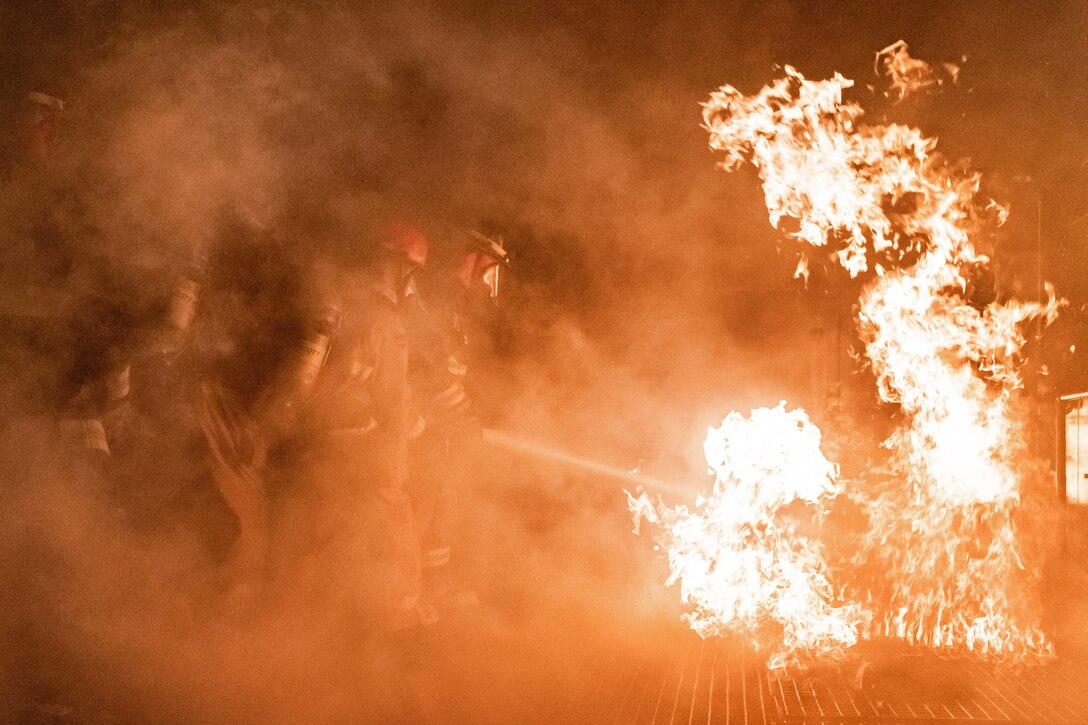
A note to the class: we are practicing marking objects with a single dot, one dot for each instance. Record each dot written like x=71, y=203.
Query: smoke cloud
x=649, y=297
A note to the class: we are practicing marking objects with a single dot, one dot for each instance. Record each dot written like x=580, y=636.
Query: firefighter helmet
x=489, y=247
x=44, y=100
x=484, y=258
x=42, y=118
x=407, y=242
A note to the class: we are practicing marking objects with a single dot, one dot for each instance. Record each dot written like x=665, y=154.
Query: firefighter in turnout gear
x=36, y=299
x=351, y=457
x=250, y=387
x=441, y=457
x=237, y=445
x=63, y=330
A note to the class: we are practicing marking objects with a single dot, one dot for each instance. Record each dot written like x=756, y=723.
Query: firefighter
x=37, y=262
x=259, y=369
x=181, y=400
x=442, y=456
x=62, y=327
x=144, y=375
x=350, y=458
x=38, y=137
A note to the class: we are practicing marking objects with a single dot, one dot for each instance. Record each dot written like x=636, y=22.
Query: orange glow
x=941, y=527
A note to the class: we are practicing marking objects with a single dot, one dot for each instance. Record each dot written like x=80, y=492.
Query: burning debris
x=941, y=533
x=907, y=75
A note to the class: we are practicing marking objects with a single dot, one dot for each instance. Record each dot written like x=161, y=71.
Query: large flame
x=886, y=205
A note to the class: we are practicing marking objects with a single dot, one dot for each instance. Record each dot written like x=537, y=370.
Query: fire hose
x=535, y=449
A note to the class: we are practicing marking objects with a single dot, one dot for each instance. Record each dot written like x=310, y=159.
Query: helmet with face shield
x=482, y=262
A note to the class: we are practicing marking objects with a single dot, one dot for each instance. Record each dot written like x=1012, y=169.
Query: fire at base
x=942, y=533
x=742, y=557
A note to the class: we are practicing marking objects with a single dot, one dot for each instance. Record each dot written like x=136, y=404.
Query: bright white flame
x=742, y=556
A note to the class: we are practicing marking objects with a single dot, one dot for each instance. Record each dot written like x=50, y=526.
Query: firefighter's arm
x=451, y=407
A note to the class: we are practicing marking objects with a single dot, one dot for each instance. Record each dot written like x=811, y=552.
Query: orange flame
x=942, y=531
x=907, y=75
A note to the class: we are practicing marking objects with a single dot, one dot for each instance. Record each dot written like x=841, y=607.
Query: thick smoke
x=646, y=300
x=257, y=143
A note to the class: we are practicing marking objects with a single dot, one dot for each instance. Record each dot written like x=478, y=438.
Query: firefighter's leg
x=435, y=545
x=370, y=545
x=462, y=470
x=424, y=483
x=399, y=549
x=313, y=560
x=444, y=584
x=427, y=490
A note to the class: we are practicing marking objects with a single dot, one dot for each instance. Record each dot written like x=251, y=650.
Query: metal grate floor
x=1051, y=693
x=711, y=681
x=721, y=681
